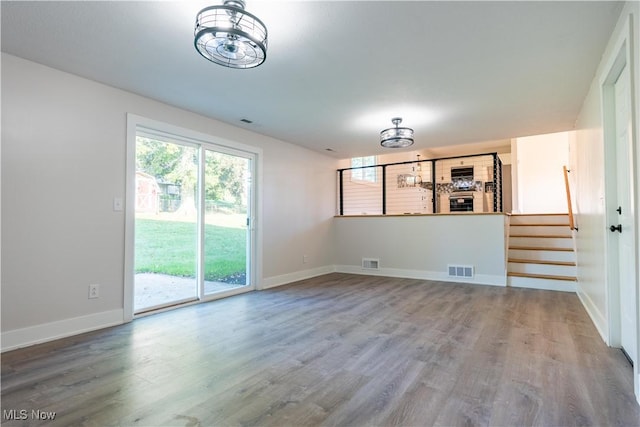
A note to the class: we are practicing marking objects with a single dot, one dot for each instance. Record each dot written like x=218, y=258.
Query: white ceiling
x=336, y=71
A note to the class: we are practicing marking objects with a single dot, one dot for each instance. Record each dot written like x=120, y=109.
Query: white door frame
x=254, y=273
x=621, y=58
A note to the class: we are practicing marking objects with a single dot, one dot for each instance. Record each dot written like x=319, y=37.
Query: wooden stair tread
x=535, y=261
x=543, y=276
x=544, y=236
x=534, y=248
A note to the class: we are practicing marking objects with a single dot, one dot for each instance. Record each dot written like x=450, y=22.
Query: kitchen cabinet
x=478, y=201
x=409, y=200
x=443, y=204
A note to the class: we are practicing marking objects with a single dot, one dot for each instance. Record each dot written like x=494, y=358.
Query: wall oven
x=461, y=202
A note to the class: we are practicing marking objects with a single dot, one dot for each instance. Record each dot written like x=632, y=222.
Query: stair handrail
x=572, y=224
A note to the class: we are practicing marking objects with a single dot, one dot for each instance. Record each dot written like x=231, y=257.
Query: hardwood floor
x=339, y=349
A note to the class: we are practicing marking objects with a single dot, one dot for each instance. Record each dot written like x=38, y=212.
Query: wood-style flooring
x=339, y=350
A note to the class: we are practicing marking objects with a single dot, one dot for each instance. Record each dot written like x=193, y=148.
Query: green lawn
x=169, y=247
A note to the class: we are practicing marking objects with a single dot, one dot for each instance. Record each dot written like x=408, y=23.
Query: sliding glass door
x=193, y=204
x=166, y=224
x=226, y=217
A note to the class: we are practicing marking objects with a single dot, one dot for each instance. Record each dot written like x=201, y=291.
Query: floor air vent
x=460, y=270
x=370, y=263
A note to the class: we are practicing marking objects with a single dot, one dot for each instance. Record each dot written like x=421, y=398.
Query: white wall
x=540, y=181
x=423, y=246
x=587, y=162
x=588, y=178
x=587, y=166
x=63, y=142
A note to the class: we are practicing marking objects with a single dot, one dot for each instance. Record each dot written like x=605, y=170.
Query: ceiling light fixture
x=396, y=137
x=229, y=36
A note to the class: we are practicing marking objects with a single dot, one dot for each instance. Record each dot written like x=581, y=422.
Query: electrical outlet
x=305, y=259
x=94, y=291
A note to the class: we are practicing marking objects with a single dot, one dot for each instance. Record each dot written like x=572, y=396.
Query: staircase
x=541, y=253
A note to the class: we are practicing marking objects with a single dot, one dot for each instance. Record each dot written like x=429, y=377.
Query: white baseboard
x=541, y=284
x=31, y=335
x=597, y=318
x=270, y=282
x=478, y=279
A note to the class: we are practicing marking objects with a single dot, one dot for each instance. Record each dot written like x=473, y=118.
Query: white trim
x=596, y=315
x=160, y=128
x=542, y=284
x=200, y=217
x=45, y=332
x=617, y=63
x=284, y=279
x=622, y=53
x=129, y=217
x=440, y=276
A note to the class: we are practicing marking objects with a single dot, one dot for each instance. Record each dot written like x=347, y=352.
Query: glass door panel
x=166, y=218
x=226, y=241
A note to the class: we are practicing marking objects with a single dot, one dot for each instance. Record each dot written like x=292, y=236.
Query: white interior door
x=626, y=253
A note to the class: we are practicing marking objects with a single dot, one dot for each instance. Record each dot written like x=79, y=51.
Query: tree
x=171, y=163
x=225, y=175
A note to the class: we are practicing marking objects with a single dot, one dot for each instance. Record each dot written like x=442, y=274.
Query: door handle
x=619, y=210
x=614, y=228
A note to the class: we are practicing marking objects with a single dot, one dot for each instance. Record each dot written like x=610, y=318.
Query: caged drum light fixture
x=396, y=137
x=229, y=36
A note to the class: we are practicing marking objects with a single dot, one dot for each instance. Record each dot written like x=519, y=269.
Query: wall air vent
x=370, y=263
x=460, y=270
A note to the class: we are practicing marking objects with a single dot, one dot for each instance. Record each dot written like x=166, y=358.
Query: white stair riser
x=535, y=283
x=549, y=269
x=555, y=225
x=540, y=219
x=537, y=230
x=542, y=255
x=541, y=242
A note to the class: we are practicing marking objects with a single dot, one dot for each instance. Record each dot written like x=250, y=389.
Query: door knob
x=614, y=228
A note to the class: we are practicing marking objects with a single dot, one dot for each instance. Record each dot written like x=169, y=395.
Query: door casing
x=621, y=59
